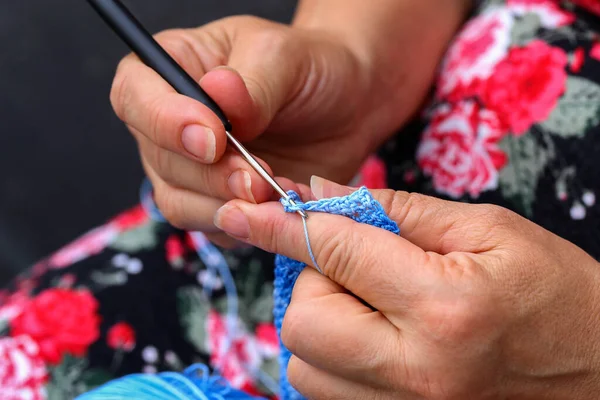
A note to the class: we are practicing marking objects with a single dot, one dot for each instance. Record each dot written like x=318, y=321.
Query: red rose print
x=130, y=219
x=373, y=174
x=13, y=306
x=482, y=43
x=189, y=241
x=250, y=388
x=88, y=245
x=22, y=370
x=175, y=250
x=459, y=150
x=267, y=338
x=549, y=11
x=525, y=87
x=235, y=357
x=577, y=60
x=121, y=336
x=60, y=321
x=96, y=240
x=595, y=52
x=590, y=5
x=409, y=176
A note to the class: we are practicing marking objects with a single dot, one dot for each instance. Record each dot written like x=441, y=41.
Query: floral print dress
x=512, y=121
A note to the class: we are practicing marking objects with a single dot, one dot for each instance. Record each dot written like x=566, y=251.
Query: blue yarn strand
x=310, y=250
x=190, y=385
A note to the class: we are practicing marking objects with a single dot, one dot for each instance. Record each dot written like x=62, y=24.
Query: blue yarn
x=191, y=385
x=195, y=383
x=359, y=206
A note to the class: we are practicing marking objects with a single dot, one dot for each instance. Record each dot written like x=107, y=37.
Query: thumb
x=433, y=224
x=263, y=73
x=356, y=256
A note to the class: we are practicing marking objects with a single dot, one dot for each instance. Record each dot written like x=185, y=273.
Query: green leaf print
x=262, y=307
x=95, y=377
x=220, y=305
x=65, y=379
x=527, y=161
x=143, y=238
x=103, y=278
x=193, y=308
x=525, y=29
x=577, y=110
x=491, y=3
x=269, y=367
x=4, y=327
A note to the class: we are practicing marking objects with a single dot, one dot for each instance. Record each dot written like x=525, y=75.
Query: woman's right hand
x=305, y=101
x=295, y=98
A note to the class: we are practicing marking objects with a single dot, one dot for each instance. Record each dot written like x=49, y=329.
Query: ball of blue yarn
x=195, y=383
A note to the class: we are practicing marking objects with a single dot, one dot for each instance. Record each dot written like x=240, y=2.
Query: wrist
x=397, y=43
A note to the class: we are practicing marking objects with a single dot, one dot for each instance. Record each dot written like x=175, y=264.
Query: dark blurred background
x=66, y=163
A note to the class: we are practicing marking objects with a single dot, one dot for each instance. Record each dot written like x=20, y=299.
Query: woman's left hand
x=472, y=302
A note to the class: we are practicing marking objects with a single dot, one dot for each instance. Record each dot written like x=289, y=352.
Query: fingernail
x=199, y=141
x=232, y=221
x=323, y=188
x=316, y=186
x=240, y=184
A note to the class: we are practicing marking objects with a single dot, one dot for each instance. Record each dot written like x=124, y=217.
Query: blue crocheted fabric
x=359, y=206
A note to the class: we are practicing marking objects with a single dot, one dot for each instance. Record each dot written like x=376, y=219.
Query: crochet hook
x=131, y=31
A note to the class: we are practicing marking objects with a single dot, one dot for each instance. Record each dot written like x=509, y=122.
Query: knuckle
x=404, y=204
x=494, y=216
x=179, y=43
x=333, y=256
x=120, y=96
x=465, y=310
x=292, y=327
x=453, y=322
x=296, y=373
x=488, y=225
x=274, y=40
x=169, y=35
x=386, y=198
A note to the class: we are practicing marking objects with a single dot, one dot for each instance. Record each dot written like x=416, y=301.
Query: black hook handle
x=131, y=31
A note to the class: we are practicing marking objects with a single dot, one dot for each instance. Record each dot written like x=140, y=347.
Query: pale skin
x=472, y=301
